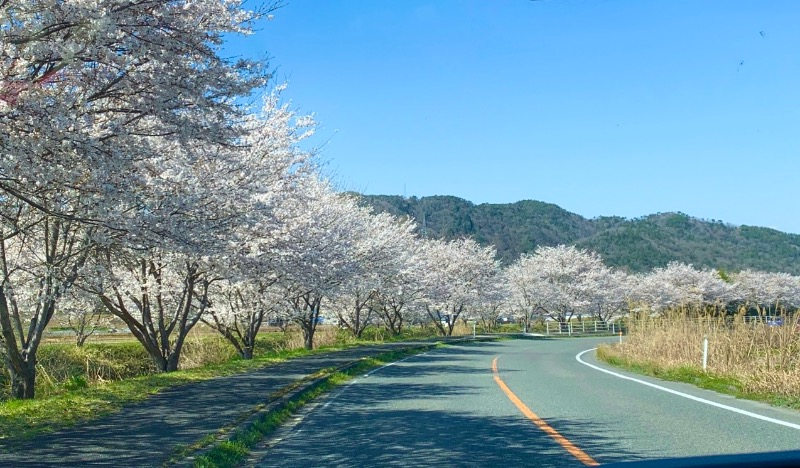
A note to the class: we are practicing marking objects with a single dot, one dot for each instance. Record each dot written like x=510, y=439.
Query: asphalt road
x=445, y=408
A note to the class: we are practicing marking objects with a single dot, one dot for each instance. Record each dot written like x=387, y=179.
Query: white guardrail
x=582, y=328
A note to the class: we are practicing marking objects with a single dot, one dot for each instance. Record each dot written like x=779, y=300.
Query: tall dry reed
x=764, y=357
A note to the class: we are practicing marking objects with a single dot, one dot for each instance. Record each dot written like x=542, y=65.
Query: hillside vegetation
x=636, y=245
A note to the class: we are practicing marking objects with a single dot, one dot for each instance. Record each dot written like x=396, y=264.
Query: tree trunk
x=22, y=381
x=306, y=308
x=249, y=341
x=392, y=317
x=451, y=321
x=362, y=321
x=308, y=335
x=157, y=325
x=313, y=306
x=160, y=362
x=526, y=322
x=243, y=344
x=80, y=339
x=437, y=320
x=361, y=314
x=397, y=325
x=172, y=361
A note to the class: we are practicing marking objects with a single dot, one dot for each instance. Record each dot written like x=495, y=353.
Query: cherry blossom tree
x=680, y=285
x=456, y=274
x=492, y=303
x=380, y=249
x=768, y=291
x=559, y=282
x=240, y=309
x=90, y=94
x=40, y=259
x=320, y=254
x=223, y=211
x=609, y=295
x=525, y=289
x=160, y=296
x=158, y=282
x=399, y=300
x=82, y=313
x=85, y=86
x=264, y=186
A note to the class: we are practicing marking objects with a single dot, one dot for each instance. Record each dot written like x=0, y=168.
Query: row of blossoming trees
x=135, y=179
x=563, y=282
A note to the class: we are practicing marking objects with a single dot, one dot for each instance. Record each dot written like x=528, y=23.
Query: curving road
x=447, y=407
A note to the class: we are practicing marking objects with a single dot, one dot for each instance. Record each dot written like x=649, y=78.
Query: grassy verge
x=76, y=385
x=234, y=451
x=727, y=384
x=20, y=419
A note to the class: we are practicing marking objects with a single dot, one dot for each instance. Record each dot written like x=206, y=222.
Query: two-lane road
x=542, y=407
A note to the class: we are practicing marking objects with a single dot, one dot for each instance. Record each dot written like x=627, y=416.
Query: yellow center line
x=582, y=456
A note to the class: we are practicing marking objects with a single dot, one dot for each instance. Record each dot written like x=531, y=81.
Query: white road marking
x=393, y=363
x=333, y=397
x=686, y=395
x=293, y=428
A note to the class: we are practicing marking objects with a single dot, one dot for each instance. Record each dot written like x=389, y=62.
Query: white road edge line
x=393, y=363
x=332, y=398
x=686, y=395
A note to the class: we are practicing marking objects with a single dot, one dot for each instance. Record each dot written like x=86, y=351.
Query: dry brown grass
x=113, y=357
x=205, y=347
x=765, y=359
x=109, y=358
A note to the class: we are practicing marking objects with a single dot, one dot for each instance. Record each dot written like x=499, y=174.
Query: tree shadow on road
x=146, y=433
x=368, y=426
x=407, y=416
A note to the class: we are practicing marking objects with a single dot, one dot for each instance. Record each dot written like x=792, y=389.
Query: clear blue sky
x=604, y=107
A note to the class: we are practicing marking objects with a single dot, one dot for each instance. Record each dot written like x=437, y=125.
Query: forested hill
x=636, y=245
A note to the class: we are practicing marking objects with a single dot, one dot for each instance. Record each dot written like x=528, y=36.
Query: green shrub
x=75, y=382
x=270, y=343
x=517, y=328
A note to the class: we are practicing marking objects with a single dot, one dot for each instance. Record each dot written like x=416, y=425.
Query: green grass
x=726, y=384
x=79, y=384
x=67, y=395
x=234, y=451
x=74, y=403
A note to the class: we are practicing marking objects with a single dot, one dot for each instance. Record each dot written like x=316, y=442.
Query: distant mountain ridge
x=633, y=244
